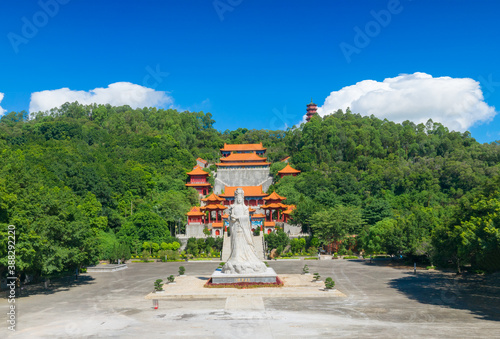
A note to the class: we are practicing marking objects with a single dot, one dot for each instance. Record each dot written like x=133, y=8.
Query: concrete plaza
x=374, y=301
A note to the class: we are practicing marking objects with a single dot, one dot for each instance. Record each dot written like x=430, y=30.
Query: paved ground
x=381, y=302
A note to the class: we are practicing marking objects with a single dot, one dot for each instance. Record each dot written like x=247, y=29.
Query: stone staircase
x=226, y=248
x=258, y=243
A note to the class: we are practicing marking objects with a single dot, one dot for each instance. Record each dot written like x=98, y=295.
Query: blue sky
x=256, y=64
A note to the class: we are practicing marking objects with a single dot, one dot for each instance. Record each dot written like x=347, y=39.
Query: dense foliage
x=81, y=183
x=414, y=190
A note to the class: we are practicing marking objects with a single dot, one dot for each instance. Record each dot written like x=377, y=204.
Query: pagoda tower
x=312, y=109
x=198, y=180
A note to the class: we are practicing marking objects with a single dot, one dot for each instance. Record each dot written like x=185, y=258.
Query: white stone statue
x=243, y=259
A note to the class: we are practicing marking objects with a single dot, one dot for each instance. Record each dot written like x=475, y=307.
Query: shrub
x=158, y=285
x=316, y=276
x=329, y=283
x=182, y=270
x=171, y=279
x=305, y=269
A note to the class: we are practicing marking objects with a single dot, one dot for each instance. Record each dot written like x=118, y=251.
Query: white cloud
x=2, y=111
x=457, y=103
x=116, y=94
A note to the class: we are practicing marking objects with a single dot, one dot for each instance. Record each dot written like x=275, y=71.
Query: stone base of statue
x=269, y=276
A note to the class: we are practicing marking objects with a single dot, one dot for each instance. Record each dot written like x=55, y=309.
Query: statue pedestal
x=269, y=276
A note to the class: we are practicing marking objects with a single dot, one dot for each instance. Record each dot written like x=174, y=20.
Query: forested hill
x=77, y=178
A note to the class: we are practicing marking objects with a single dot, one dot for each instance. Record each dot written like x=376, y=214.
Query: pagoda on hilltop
x=288, y=170
x=198, y=180
x=312, y=109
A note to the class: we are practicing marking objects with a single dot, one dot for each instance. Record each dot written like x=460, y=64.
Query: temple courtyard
x=378, y=300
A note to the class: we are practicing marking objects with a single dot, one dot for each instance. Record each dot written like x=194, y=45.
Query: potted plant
x=171, y=279
x=329, y=284
x=158, y=286
x=305, y=269
x=182, y=270
x=316, y=277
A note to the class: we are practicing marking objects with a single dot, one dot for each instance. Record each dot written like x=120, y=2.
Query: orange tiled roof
x=250, y=210
x=195, y=212
x=243, y=164
x=250, y=191
x=212, y=198
x=213, y=207
x=274, y=196
x=197, y=171
x=258, y=215
x=243, y=147
x=288, y=170
x=269, y=223
x=224, y=216
x=201, y=160
x=217, y=224
x=274, y=206
x=242, y=157
x=285, y=159
x=290, y=209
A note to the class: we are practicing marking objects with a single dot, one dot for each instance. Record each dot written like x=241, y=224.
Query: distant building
x=201, y=162
x=242, y=148
x=198, y=180
x=288, y=170
x=312, y=109
x=253, y=195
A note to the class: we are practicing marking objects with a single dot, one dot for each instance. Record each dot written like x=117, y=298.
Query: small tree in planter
x=182, y=270
x=171, y=279
x=316, y=276
x=305, y=270
x=329, y=283
x=158, y=285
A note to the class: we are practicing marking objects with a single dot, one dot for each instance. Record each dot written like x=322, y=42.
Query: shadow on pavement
x=55, y=286
x=479, y=294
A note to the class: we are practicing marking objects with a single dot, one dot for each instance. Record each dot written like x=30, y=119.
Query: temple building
x=242, y=161
x=198, y=180
x=288, y=170
x=242, y=148
x=202, y=163
x=242, y=166
x=312, y=109
x=253, y=195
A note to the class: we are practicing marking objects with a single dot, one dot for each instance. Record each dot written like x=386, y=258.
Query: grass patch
x=311, y=258
x=351, y=257
x=143, y=261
